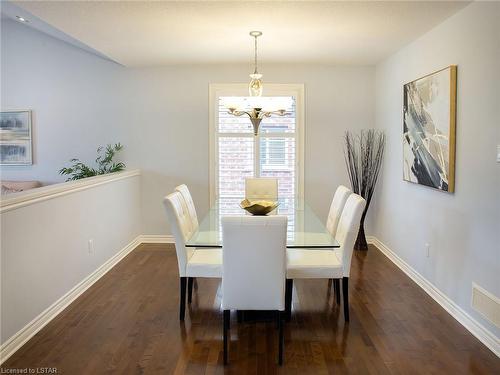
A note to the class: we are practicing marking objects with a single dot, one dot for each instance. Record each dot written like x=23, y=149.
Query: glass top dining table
x=305, y=229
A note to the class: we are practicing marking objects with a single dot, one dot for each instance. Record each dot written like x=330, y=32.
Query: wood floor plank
x=127, y=323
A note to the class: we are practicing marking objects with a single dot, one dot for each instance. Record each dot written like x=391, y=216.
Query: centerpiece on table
x=258, y=207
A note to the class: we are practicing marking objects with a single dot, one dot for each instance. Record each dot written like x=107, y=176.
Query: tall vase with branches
x=363, y=154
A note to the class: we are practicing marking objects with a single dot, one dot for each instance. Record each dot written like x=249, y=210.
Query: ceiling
x=152, y=33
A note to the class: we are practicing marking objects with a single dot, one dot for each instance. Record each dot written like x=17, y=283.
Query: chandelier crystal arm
x=235, y=112
x=256, y=116
x=256, y=113
x=279, y=112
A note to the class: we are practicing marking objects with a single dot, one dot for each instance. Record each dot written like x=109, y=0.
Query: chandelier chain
x=255, y=54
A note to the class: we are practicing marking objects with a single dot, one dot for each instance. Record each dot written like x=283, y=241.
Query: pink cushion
x=16, y=186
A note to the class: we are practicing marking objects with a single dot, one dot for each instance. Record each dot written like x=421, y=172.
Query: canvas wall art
x=15, y=138
x=429, y=105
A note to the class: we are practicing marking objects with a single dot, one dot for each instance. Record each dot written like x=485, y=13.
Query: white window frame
x=217, y=90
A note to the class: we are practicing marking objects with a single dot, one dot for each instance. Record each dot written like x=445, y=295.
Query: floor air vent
x=486, y=304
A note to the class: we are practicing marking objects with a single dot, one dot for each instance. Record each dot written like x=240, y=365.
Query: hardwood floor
x=127, y=323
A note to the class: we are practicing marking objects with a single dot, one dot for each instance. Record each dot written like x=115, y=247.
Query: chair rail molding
x=25, y=198
x=472, y=325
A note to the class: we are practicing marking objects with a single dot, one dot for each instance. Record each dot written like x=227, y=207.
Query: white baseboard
x=473, y=326
x=27, y=332
x=156, y=238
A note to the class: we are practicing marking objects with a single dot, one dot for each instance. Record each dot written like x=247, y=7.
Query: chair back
x=180, y=223
x=261, y=188
x=254, y=262
x=183, y=189
x=347, y=230
x=338, y=203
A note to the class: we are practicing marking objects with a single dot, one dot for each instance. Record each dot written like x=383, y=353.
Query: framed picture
x=429, y=116
x=15, y=138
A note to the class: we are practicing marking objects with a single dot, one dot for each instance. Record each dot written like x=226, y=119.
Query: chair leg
x=288, y=299
x=281, y=338
x=190, y=289
x=336, y=289
x=226, y=323
x=345, y=292
x=182, y=302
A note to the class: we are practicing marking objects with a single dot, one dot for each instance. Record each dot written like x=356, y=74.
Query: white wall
x=168, y=134
x=161, y=116
x=44, y=250
x=77, y=99
x=463, y=228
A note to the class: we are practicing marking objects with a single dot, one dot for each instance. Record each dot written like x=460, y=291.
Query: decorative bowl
x=259, y=208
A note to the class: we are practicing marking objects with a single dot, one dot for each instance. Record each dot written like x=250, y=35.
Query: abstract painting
x=15, y=138
x=429, y=129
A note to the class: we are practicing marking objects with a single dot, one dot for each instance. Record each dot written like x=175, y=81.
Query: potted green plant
x=104, y=161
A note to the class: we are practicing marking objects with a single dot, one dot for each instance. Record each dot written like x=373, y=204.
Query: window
x=236, y=153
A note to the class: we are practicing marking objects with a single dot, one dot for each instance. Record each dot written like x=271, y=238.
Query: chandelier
x=260, y=107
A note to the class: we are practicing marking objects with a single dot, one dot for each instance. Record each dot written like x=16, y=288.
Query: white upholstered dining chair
x=261, y=188
x=191, y=262
x=328, y=264
x=183, y=189
x=336, y=208
x=332, y=222
x=254, y=268
x=188, y=200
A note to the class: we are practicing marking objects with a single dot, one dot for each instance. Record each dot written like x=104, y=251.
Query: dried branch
x=363, y=155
